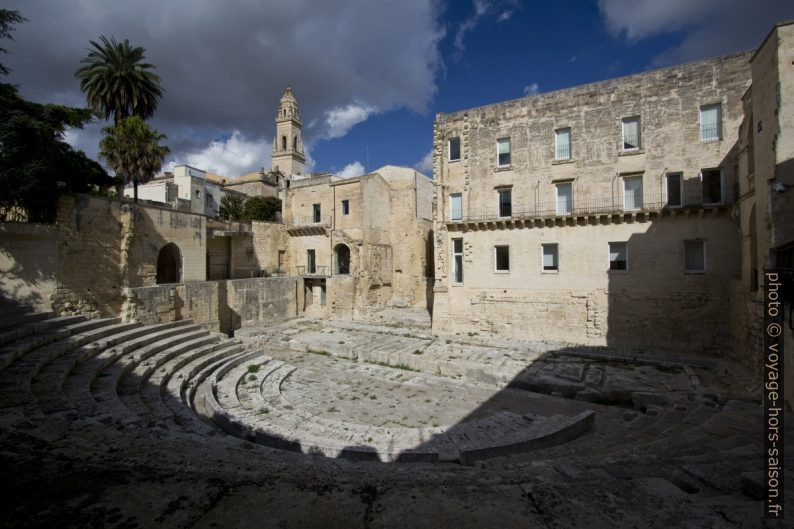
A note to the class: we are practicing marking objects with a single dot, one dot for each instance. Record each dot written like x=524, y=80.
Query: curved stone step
x=148, y=377
x=77, y=387
x=37, y=337
x=9, y=323
x=105, y=388
x=19, y=378
x=61, y=367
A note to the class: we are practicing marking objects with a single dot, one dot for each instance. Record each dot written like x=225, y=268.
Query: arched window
x=169, y=264
x=342, y=258
x=294, y=143
x=283, y=143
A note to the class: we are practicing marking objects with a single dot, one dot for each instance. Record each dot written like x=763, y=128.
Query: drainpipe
x=613, y=189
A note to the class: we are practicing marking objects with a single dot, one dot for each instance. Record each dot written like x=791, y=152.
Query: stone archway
x=341, y=259
x=169, y=264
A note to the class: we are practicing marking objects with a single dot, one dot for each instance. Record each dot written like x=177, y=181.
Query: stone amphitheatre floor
x=340, y=424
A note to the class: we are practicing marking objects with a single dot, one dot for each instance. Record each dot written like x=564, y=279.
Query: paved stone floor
x=104, y=424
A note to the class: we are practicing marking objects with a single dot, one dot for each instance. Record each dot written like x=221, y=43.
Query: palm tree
x=116, y=81
x=131, y=148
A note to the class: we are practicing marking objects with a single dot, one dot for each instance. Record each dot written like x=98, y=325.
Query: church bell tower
x=287, y=145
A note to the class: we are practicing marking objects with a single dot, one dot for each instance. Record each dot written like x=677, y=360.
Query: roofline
x=603, y=81
x=773, y=30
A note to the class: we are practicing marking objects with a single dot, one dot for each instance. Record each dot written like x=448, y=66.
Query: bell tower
x=287, y=145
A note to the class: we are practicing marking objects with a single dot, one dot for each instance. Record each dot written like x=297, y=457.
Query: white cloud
x=481, y=7
x=232, y=157
x=352, y=169
x=425, y=165
x=340, y=120
x=505, y=16
x=531, y=89
x=225, y=69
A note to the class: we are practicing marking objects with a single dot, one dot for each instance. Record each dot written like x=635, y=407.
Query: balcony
x=617, y=209
x=311, y=271
x=313, y=225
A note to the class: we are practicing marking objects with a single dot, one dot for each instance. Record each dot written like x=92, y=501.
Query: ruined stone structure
x=360, y=243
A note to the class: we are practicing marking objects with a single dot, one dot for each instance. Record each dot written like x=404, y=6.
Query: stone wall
x=269, y=238
x=95, y=255
x=96, y=249
x=28, y=262
x=654, y=304
x=219, y=305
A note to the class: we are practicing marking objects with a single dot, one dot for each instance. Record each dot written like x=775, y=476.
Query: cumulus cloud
x=709, y=27
x=425, y=165
x=531, y=89
x=230, y=157
x=224, y=69
x=339, y=121
x=352, y=169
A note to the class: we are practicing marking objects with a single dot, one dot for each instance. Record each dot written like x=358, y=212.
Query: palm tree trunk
x=135, y=189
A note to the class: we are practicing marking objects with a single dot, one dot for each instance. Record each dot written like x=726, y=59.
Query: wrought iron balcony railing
x=595, y=206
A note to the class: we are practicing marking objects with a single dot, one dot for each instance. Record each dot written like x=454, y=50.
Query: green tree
x=7, y=20
x=36, y=164
x=132, y=149
x=261, y=208
x=231, y=207
x=116, y=82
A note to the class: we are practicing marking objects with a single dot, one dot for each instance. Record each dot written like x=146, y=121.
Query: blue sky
x=369, y=75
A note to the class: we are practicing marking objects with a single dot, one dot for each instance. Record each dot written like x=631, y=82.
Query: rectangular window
x=281, y=255
x=632, y=193
x=503, y=152
x=315, y=213
x=712, y=186
x=345, y=207
x=695, y=256
x=674, y=189
x=502, y=254
x=454, y=149
x=562, y=144
x=455, y=206
x=505, y=202
x=457, y=260
x=311, y=265
x=631, y=133
x=550, y=258
x=564, y=199
x=618, y=256
x=710, y=122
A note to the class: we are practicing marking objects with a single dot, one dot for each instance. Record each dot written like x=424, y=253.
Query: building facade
x=360, y=243
x=601, y=214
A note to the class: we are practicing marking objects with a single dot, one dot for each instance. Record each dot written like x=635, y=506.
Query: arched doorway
x=342, y=258
x=169, y=264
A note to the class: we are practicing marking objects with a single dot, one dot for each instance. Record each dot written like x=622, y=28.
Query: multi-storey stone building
x=600, y=214
x=360, y=243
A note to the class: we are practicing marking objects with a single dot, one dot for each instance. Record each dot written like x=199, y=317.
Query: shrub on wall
x=261, y=208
